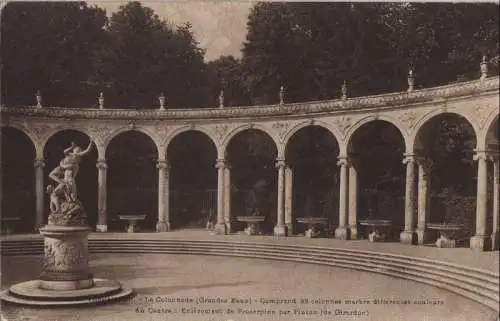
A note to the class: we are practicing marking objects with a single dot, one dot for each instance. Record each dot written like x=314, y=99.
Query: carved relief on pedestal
x=62, y=254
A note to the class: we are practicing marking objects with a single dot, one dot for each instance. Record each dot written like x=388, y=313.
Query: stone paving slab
x=203, y=288
x=489, y=261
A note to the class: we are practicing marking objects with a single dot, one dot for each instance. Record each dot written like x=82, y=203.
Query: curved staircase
x=476, y=284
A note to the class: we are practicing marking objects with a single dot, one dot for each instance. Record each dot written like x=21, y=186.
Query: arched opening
x=86, y=178
x=18, y=180
x=448, y=141
x=376, y=151
x=193, y=180
x=252, y=156
x=132, y=180
x=312, y=155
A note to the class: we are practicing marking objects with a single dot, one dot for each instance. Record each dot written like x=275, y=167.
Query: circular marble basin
x=447, y=233
x=253, y=223
x=378, y=229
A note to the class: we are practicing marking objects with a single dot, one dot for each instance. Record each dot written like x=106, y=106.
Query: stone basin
x=378, y=228
x=447, y=233
x=312, y=222
x=132, y=221
x=253, y=223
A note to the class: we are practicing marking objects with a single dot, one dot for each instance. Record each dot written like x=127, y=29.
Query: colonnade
x=417, y=198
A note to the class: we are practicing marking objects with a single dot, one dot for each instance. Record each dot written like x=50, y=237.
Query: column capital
x=343, y=161
x=221, y=163
x=101, y=164
x=39, y=163
x=280, y=163
x=481, y=155
x=409, y=158
x=162, y=164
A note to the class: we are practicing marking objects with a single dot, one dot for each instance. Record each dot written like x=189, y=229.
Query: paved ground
x=464, y=256
x=161, y=278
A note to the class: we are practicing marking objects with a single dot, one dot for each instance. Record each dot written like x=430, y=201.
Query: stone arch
x=225, y=142
x=344, y=148
x=486, y=138
x=178, y=131
x=121, y=130
x=360, y=123
x=292, y=131
x=38, y=149
x=422, y=121
x=61, y=129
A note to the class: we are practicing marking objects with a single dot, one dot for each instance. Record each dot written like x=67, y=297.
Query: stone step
x=479, y=285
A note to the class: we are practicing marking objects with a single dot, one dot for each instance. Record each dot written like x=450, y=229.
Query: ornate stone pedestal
x=65, y=263
x=65, y=279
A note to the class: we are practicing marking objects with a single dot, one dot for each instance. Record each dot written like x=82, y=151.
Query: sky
x=219, y=26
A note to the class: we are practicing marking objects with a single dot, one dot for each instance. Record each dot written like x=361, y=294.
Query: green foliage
x=313, y=48
x=146, y=56
x=48, y=46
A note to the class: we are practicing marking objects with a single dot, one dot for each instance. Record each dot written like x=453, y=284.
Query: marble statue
x=65, y=207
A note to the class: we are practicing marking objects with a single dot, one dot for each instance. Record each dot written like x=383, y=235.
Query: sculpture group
x=65, y=208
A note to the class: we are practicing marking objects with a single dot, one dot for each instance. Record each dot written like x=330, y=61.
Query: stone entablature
x=384, y=101
x=477, y=101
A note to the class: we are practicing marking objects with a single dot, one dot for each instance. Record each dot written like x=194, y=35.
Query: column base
x=408, y=237
x=480, y=243
x=353, y=233
x=228, y=228
x=495, y=241
x=289, y=229
x=101, y=228
x=280, y=230
x=162, y=226
x=423, y=236
x=220, y=229
x=341, y=233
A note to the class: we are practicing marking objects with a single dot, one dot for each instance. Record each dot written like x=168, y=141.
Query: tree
x=146, y=56
x=227, y=75
x=313, y=48
x=48, y=47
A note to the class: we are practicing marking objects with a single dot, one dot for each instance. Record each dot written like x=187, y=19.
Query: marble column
x=408, y=235
x=280, y=228
x=341, y=230
x=480, y=241
x=227, y=198
x=495, y=235
x=102, y=199
x=353, y=202
x=423, y=215
x=39, y=193
x=163, y=224
x=220, y=226
x=288, y=200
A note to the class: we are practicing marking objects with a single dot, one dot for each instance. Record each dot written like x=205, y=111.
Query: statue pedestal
x=65, y=263
x=65, y=279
